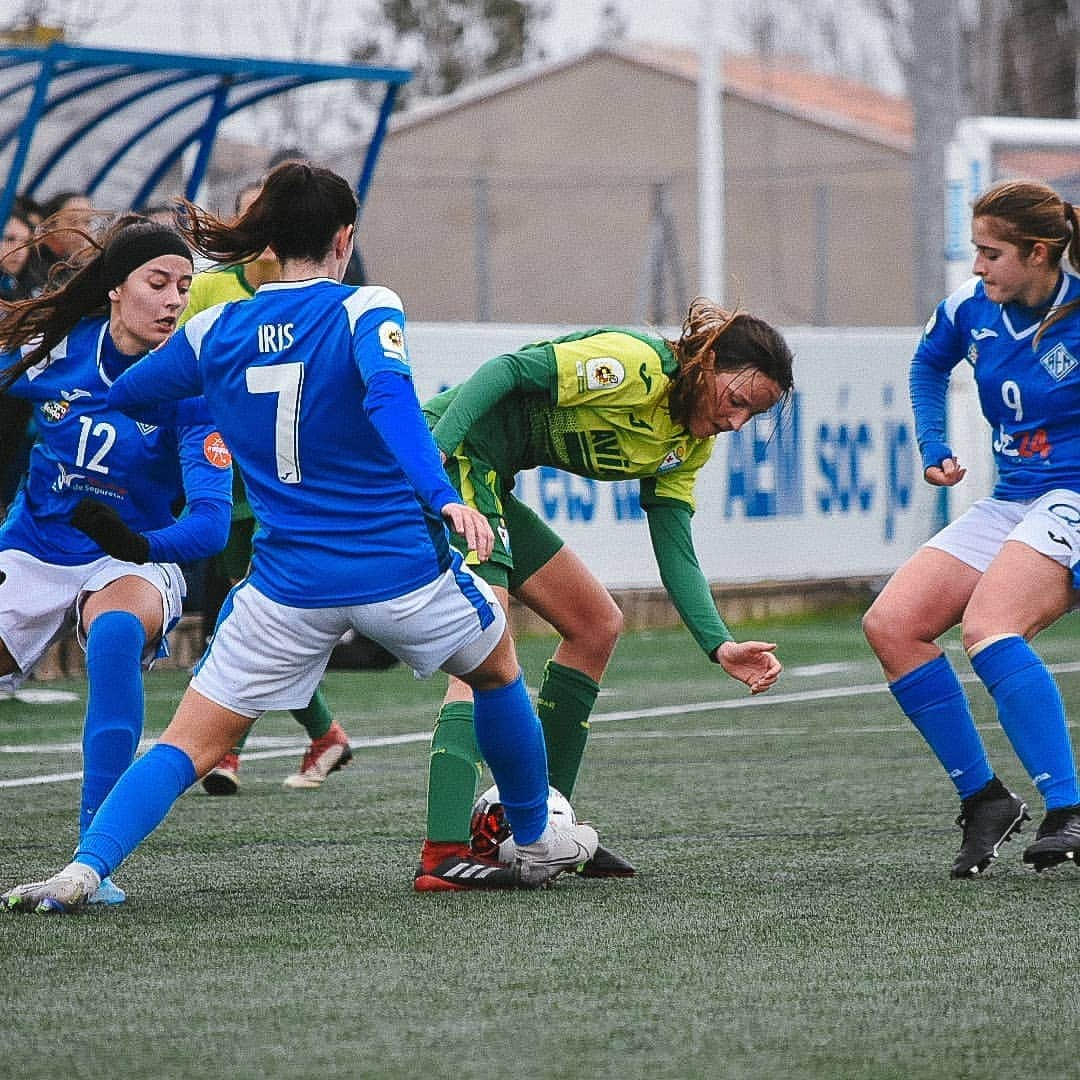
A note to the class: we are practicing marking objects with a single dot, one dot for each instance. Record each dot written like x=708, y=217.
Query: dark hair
x=714, y=339
x=129, y=242
x=296, y=214
x=55, y=203
x=1031, y=213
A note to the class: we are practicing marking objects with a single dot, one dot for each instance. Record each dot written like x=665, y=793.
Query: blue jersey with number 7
x=310, y=386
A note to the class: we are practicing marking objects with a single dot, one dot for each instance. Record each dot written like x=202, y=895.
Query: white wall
x=834, y=491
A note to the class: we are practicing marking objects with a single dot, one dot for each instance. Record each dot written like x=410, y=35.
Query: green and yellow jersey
x=594, y=403
x=208, y=289
x=216, y=286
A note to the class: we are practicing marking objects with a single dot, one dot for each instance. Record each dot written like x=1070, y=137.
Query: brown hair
x=82, y=290
x=714, y=339
x=1031, y=213
x=295, y=214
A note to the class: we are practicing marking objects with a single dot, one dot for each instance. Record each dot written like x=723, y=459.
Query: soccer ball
x=489, y=831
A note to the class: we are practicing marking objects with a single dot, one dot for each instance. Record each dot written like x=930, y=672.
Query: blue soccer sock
x=114, y=706
x=1032, y=715
x=510, y=737
x=135, y=807
x=934, y=701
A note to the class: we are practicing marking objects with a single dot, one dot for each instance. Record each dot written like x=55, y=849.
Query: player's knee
x=876, y=624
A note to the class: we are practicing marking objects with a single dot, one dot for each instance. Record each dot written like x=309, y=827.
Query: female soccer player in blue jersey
x=92, y=529
x=310, y=383
x=1004, y=570
x=609, y=404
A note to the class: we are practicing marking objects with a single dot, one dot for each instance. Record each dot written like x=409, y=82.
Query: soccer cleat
x=452, y=867
x=558, y=849
x=1057, y=840
x=325, y=755
x=606, y=863
x=65, y=893
x=989, y=817
x=224, y=777
x=108, y=892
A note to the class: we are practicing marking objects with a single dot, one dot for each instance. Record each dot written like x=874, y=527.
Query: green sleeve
x=530, y=370
x=669, y=530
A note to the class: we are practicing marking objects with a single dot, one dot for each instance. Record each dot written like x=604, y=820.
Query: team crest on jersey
x=52, y=412
x=216, y=452
x=604, y=373
x=672, y=460
x=1059, y=362
x=972, y=353
x=392, y=339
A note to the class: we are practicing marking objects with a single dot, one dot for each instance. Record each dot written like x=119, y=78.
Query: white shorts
x=1050, y=525
x=39, y=601
x=265, y=655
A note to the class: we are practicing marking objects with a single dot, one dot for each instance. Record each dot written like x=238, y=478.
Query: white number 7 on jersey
x=287, y=381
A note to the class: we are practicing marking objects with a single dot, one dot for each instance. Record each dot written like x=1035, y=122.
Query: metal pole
x=710, y=159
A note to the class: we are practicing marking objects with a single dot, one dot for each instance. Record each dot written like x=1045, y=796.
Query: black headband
x=136, y=246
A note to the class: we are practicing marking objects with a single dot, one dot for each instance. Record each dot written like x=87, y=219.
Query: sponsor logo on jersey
x=931, y=322
x=52, y=412
x=672, y=460
x=74, y=395
x=980, y=334
x=1059, y=362
x=604, y=373
x=392, y=339
x=504, y=536
x=65, y=479
x=146, y=429
x=216, y=452
x=646, y=378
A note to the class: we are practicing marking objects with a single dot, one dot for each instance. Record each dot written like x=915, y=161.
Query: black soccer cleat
x=989, y=817
x=1057, y=841
x=606, y=863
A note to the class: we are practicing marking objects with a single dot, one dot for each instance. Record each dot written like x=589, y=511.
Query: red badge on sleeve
x=217, y=453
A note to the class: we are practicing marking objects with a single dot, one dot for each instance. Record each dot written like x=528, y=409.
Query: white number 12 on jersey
x=287, y=381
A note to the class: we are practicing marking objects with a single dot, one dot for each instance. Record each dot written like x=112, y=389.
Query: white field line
x=284, y=746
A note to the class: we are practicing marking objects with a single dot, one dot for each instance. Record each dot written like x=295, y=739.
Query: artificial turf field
x=792, y=917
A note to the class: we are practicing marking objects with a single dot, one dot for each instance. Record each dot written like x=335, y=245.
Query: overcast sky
x=274, y=28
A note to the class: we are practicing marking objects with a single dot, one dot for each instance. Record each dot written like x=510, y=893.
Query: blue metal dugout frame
x=226, y=85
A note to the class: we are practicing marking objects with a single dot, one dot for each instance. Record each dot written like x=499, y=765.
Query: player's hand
x=107, y=529
x=948, y=473
x=751, y=662
x=473, y=526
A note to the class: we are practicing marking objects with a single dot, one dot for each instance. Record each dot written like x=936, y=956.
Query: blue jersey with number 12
x=291, y=377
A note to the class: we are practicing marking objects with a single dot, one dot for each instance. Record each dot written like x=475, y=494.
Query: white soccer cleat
x=558, y=849
x=64, y=893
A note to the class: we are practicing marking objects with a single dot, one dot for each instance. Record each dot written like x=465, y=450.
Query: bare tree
x=450, y=42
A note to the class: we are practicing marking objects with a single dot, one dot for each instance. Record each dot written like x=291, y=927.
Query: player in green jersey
x=609, y=404
x=329, y=748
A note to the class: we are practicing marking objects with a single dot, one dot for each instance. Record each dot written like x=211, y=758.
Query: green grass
x=792, y=918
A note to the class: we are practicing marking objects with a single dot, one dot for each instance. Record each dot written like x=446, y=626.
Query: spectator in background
x=66, y=217
x=15, y=413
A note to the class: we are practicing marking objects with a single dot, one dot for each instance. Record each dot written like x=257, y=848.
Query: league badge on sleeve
x=392, y=339
x=604, y=373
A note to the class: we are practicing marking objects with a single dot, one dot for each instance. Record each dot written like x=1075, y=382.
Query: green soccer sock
x=315, y=716
x=454, y=771
x=563, y=703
